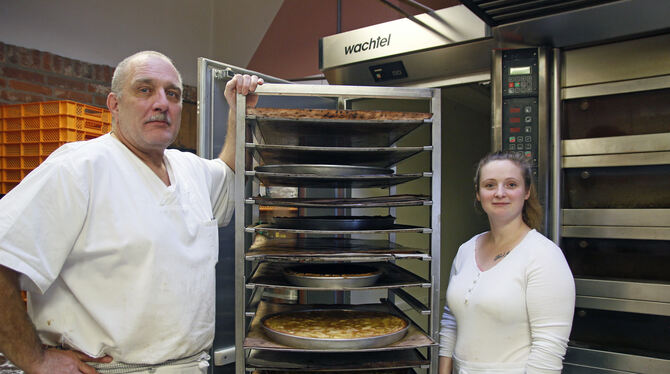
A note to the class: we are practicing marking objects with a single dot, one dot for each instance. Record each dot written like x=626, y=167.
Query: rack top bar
x=344, y=91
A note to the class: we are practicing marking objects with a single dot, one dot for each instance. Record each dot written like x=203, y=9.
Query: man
x=116, y=239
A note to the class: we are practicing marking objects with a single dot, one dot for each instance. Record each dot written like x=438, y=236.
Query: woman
x=511, y=294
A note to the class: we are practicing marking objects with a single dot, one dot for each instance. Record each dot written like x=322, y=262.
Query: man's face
x=149, y=107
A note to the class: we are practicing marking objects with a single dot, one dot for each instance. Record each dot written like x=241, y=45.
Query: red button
x=515, y=129
x=515, y=120
x=515, y=110
x=511, y=84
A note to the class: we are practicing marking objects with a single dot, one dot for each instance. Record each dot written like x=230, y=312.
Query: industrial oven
x=595, y=122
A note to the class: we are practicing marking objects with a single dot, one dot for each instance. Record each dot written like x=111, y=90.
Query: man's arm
x=19, y=341
x=244, y=84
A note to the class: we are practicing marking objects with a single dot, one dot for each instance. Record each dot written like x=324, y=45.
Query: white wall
x=106, y=31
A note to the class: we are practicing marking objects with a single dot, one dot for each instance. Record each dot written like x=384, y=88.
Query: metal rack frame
x=244, y=211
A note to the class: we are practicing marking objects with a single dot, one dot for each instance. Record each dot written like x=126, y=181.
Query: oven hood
x=574, y=23
x=448, y=42
x=454, y=44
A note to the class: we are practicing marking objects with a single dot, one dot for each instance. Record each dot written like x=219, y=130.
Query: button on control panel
x=520, y=126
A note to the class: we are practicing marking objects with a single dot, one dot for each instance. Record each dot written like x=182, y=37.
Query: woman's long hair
x=532, y=210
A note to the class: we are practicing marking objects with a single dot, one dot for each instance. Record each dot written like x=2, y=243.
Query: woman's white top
x=117, y=262
x=513, y=318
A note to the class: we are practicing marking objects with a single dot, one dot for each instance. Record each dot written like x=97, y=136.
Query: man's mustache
x=160, y=117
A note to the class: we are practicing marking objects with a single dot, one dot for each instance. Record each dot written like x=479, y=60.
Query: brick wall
x=29, y=75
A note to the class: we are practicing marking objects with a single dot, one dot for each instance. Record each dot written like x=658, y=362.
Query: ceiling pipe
x=416, y=20
x=339, y=16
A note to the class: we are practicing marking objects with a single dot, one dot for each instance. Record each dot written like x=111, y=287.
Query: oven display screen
x=519, y=70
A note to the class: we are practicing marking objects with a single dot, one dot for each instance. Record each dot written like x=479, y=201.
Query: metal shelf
x=270, y=275
x=277, y=141
x=367, y=202
x=256, y=339
x=363, y=156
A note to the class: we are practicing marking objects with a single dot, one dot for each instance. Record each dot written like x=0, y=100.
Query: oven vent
x=499, y=12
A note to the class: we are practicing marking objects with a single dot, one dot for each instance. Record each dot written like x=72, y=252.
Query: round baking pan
x=325, y=170
x=335, y=222
x=333, y=344
x=332, y=275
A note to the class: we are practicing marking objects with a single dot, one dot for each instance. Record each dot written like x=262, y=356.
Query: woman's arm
x=445, y=365
x=551, y=303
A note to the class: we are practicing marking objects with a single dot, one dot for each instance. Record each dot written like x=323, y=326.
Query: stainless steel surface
x=626, y=363
x=616, y=232
x=335, y=223
x=544, y=131
x=345, y=91
x=209, y=71
x=617, y=144
x=623, y=159
x=365, y=202
x=587, y=25
x=271, y=275
x=352, y=181
x=315, y=249
x=625, y=65
x=623, y=305
x=332, y=344
x=292, y=250
x=618, y=289
x=616, y=217
x=555, y=165
x=435, y=224
x=334, y=133
x=224, y=356
x=212, y=124
x=400, y=37
x=323, y=170
x=363, y=156
x=333, y=361
x=619, y=87
x=616, y=89
x=496, y=100
x=393, y=229
x=240, y=235
x=413, y=302
x=500, y=12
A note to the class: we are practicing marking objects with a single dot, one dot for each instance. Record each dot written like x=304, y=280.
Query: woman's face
x=501, y=190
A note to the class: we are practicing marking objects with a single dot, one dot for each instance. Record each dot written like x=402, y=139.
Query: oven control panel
x=520, y=103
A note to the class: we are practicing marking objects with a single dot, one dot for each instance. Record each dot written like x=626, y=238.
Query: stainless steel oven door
x=615, y=205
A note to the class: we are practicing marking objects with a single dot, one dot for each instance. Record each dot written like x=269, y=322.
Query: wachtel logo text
x=372, y=44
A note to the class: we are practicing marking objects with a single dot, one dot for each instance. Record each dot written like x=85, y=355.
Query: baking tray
x=332, y=275
x=319, y=181
x=264, y=227
x=324, y=170
x=360, y=371
x=256, y=338
x=335, y=361
x=270, y=275
x=359, y=202
x=333, y=344
x=339, y=130
x=335, y=222
x=317, y=249
x=363, y=156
